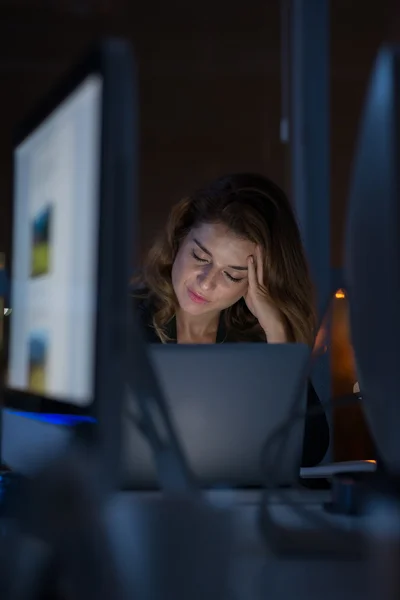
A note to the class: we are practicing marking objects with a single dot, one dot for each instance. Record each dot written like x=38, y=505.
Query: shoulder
x=239, y=325
x=144, y=309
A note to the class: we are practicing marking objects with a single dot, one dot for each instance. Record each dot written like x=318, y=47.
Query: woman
x=230, y=267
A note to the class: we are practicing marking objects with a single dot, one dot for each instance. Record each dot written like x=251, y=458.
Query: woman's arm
x=316, y=432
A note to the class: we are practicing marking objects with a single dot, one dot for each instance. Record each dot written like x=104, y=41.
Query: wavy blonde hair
x=254, y=208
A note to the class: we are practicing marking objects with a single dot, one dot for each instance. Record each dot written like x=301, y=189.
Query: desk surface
x=185, y=543
x=175, y=549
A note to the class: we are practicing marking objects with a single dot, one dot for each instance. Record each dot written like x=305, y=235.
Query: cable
x=325, y=539
x=286, y=426
x=150, y=414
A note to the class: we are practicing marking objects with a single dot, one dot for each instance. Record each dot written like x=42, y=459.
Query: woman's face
x=209, y=273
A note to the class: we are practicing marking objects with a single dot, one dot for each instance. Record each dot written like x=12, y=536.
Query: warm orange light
x=340, y=294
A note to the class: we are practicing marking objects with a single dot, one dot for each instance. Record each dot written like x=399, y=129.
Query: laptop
x=225, y=400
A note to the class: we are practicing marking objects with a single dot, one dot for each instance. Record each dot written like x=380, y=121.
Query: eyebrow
x=209, y=254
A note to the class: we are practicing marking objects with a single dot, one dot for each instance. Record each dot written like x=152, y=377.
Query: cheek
x=233, y=293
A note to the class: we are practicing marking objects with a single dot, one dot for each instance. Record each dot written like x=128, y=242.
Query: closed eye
x=235, y=279
x=202, y=260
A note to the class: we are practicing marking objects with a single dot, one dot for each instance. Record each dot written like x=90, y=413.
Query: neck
x=198, y=329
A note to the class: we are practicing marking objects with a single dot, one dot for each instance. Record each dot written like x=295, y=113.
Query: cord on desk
x=324, y=539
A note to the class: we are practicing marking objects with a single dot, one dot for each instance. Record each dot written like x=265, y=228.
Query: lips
x=196, y=297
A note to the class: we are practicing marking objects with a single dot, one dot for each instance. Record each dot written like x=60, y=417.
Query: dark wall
x=209, y=81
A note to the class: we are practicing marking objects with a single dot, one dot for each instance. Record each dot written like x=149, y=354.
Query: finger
x=260, y=266
x=252, y=275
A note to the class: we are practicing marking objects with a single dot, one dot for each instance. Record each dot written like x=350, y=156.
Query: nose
x=206, y=279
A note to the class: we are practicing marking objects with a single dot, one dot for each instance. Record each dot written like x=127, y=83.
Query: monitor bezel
x=113, y=62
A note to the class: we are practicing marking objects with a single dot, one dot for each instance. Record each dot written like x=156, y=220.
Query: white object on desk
x=351, y=466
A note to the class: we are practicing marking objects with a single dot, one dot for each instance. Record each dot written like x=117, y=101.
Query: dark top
x=316, y=434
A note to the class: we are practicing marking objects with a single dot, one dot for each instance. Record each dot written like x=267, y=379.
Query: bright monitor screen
x=54, y=260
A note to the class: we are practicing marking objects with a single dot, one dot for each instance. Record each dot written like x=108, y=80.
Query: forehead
x=224, y=245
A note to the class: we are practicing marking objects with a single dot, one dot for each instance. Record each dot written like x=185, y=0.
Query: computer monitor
x=72, y=233
x=373, y=256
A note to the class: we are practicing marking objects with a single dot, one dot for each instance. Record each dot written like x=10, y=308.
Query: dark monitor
x=373, y=256
x=73, y=218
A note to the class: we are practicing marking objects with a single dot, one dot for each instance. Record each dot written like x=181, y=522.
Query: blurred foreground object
x=373, y=257
x=57, y=517
x=373, y=284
